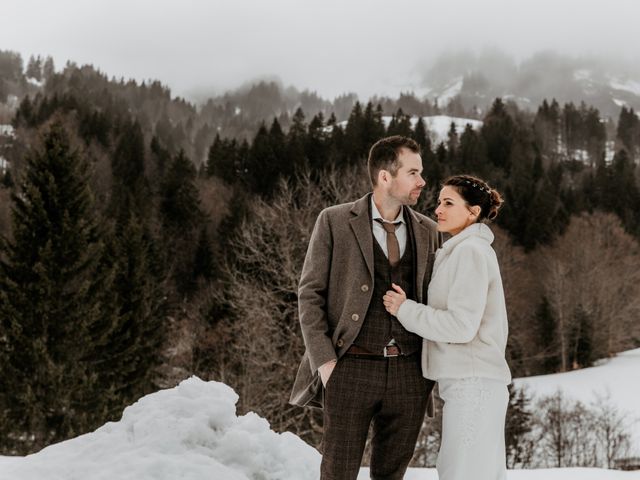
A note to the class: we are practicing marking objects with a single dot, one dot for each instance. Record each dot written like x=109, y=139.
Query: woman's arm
x=466, y=301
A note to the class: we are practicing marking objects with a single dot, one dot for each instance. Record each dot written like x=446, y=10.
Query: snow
x=437, y=125
x=617, y=377
x=192, y=432
x=620, y=103
x=7, y=130
x=582, y=74
x=539, y=474
x=627, y=85
x=189, y=432
x=4, y=164
x=451, y=90
x=35, y=82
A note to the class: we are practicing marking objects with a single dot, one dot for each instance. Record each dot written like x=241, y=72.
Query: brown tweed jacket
x=336, y=286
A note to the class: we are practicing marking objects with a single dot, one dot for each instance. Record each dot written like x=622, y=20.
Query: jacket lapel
x=423, y=237
x=361, y=226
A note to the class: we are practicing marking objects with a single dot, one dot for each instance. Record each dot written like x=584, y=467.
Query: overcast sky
x=330, y=46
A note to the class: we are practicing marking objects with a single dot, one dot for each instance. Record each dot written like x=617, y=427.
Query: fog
x=332, y=47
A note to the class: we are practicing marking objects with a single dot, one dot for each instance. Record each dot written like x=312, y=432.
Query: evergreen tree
x=316, y=147
x=130, y=188
x=582, y=348
x=519, y=423
x=421, y=135
x=295, y=142
x=34, y=68
x=48, y=69
x=354, y=146
x=498, y=132
x=132, y=351
x=181, y=216
x=471, y=156
x=372, y=126
x=52, y=304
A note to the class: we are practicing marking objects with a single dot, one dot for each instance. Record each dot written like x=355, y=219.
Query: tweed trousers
x=391, y=393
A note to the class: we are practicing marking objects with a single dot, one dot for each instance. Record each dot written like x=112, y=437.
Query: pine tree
x=421, y=135
x=34, y=68
x=132, y=350
x=130, y=187
x=372, y=126
x=295, y=142
x=181, y=216
x=316, y=148
x=52, y=303
x=498, y=132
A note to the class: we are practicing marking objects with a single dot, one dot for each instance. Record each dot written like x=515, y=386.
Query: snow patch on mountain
x=626, y=85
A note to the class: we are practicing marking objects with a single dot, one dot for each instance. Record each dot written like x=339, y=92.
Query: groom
x=361, y=365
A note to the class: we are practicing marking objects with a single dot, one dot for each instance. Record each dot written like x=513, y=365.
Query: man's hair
x=384, y=155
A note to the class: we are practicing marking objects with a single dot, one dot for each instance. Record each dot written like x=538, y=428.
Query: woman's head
x=464, y=200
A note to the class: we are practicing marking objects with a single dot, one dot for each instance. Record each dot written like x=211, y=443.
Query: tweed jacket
x=336, y=286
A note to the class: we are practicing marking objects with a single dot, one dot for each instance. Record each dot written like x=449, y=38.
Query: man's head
x=395, y=169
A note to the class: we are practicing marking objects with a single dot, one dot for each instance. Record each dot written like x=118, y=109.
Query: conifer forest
x=145, y=239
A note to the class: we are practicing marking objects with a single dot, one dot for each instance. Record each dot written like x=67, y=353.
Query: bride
x=464, y=327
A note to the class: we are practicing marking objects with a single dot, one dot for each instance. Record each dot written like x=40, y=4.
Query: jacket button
x=339, y=343
x=355, y=317
x=364, y=288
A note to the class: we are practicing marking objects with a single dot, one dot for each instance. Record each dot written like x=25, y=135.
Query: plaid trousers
x=391, y=393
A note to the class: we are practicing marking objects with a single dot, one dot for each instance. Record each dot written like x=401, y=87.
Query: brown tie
x=393, y=247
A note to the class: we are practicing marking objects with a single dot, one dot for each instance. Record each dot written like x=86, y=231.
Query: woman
x=464, y=327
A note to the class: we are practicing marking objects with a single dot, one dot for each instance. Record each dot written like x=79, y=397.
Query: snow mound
x=189, y=432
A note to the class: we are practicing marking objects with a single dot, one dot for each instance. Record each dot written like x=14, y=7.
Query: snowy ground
x=618, y=378
x=191, y=432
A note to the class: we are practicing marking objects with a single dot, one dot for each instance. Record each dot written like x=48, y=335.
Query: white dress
x=465, y=331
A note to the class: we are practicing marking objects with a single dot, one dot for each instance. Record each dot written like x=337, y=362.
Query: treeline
x=128, y=265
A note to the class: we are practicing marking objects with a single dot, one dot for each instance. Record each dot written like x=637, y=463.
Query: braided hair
x=476, y=191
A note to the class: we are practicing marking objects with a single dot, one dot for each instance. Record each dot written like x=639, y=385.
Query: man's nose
x=421, y=182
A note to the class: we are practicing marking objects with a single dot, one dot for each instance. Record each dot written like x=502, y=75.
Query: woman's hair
x=477, y=192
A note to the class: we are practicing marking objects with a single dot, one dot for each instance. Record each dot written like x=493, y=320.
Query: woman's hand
x=392, y=300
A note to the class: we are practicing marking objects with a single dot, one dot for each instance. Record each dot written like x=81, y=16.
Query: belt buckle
x=388, y=355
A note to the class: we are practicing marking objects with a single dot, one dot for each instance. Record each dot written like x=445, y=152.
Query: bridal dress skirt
x=473, y=419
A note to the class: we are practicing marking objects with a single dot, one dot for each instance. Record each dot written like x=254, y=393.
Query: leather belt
x=388, y=351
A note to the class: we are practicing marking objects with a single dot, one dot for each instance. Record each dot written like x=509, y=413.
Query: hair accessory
x=476, y=185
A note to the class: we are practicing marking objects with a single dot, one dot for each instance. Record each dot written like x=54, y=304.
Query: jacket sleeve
x=312, y=295
x=466, y=301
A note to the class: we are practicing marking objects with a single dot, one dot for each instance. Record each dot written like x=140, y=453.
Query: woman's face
x=454, y=215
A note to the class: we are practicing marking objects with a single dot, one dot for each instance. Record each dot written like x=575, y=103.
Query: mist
x=368, y=47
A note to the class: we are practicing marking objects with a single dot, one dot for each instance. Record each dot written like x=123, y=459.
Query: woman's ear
x=475, y=210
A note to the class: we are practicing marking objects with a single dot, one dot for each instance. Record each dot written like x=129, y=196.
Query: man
x=360, y=364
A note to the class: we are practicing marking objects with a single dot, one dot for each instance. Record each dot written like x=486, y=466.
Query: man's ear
x=383, y=176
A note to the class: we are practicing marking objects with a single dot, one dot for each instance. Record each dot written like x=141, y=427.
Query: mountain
x=478, y=80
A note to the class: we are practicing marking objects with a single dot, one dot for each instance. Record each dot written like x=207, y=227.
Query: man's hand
x=392, y=300
x=326, y=370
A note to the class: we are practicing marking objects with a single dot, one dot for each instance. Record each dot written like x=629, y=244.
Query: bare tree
x=257, y=343
x=611, y=430
x=593, y=268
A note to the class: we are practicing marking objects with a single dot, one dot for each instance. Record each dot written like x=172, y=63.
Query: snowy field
x=191, y=432
x=618, y=378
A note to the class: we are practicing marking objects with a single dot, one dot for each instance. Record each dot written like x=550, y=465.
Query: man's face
x=408, y=183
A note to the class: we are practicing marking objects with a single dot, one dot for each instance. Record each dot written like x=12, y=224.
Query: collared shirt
x=380, y=234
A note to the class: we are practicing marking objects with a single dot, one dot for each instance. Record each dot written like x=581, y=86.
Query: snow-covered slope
x=618, y=378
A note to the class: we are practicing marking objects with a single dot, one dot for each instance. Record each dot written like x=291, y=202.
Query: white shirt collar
x=375, y=213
